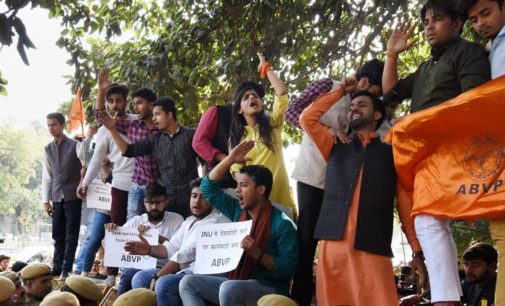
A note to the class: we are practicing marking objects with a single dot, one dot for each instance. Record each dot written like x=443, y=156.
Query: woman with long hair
x=251, y=122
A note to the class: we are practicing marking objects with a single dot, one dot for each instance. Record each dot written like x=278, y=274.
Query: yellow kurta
x=274, y=161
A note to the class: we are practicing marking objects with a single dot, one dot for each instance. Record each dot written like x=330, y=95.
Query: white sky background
x=38, y=89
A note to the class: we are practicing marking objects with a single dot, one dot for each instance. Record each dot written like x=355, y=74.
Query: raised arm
x=309, y=94
x=237, y=155
x=103, y=83
x=397, y=43
x=110, y=124
x=273, y=78
x=310, y=119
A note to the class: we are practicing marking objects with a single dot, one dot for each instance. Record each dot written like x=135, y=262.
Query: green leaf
x=5, y=30
x=22, y=52
x=21, y=30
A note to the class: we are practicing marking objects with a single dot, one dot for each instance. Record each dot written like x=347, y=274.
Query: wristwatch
x=155, y=276
x=419, y=254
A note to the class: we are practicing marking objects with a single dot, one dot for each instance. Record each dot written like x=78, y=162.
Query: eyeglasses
x=154, y=202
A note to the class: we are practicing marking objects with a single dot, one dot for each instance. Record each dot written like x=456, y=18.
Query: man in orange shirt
x=356, y=221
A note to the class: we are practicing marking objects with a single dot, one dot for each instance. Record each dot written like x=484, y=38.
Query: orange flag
x=451, y=157
x=77, y=112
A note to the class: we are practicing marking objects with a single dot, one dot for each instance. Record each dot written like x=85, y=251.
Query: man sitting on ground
x=480, y=269
x=271, y=250
x=167, y=223
x=180, y=250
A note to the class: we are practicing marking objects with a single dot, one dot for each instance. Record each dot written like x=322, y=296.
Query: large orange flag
x=76, y=116
x=451, y=157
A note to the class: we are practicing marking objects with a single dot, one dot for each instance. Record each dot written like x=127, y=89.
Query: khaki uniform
x=31, y=300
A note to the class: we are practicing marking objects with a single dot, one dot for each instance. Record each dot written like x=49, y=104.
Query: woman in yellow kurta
x=250, y=122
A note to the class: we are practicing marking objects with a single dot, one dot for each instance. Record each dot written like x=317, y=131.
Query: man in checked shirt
x=310, y=169
x=145, y=172
x=172, y=150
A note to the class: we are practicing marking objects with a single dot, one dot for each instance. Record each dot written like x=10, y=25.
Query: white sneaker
x=85, y=274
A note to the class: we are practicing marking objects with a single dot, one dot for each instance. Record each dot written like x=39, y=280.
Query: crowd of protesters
x=348, y=187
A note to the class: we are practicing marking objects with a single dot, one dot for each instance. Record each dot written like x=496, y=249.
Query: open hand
x=103, y=79
x=141, y=247
x=238, y=154
x=399, y=40
x=107, y=121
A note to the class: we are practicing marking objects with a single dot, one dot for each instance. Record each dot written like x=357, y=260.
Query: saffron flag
x=76, y=117
x=451, y=157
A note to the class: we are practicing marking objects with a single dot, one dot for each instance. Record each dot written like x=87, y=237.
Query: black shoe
x=63, y=276
x=98, y=276
x=56, y=272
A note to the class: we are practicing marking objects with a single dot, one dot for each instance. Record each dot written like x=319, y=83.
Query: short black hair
x=56, y=116
x=378, y=105
x=167, y=104
x=18, y=266
x=261, y=175
x=195, y=183
x=155, y=190
x=481, y=251
x=116, y=88
x=372, y=70
x=452, y=8
x=470, y=3
x=145, y=93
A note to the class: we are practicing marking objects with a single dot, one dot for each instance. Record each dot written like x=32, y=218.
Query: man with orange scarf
x=271, y=250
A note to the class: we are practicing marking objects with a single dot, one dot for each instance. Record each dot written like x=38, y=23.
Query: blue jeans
x=167, y=286
x=125, y=282
x=136, y=196
x=196, y=289
x=84, y=242
x=97, y=234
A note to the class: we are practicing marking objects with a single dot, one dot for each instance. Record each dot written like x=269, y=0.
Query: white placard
x=116, y=256
x=218, y=246
x=98, y=195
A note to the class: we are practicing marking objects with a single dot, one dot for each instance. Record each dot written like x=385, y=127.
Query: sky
x=38, y=89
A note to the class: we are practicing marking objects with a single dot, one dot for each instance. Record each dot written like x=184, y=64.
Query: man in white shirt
x=167, y=223
x=180, y=251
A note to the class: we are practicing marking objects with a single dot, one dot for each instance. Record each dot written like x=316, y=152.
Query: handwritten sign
x=218, y=246
x=116, y=256
x=98, y=195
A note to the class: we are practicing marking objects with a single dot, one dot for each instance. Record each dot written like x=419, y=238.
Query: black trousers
x=66, y=223
x=179, y=203
x=310, y=200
